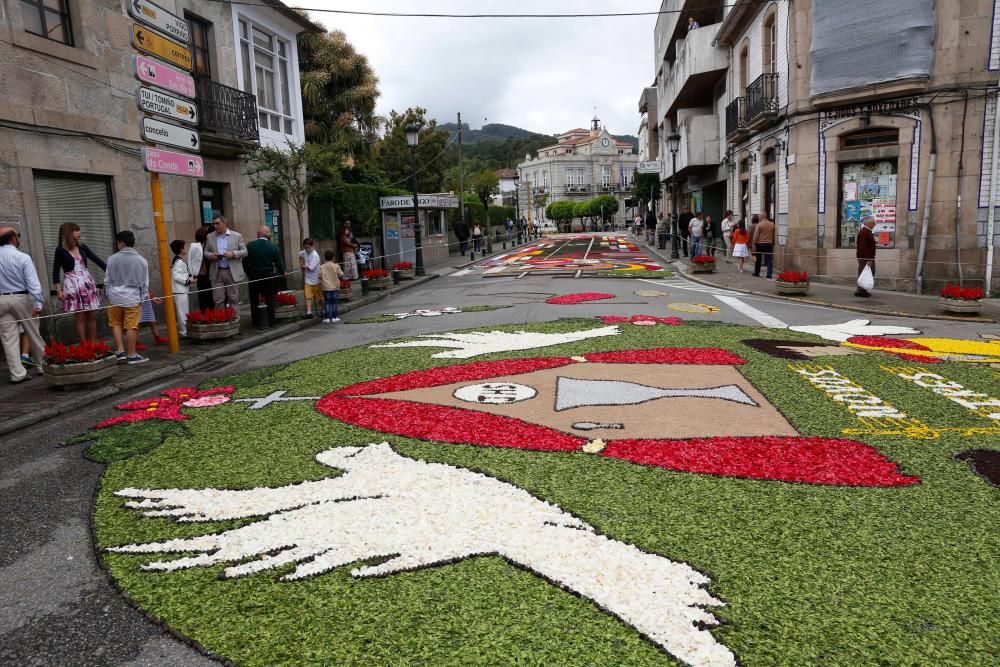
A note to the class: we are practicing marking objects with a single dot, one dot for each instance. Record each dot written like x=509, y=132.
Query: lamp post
x=413, y=138
x=673, y=143
x=517, y=205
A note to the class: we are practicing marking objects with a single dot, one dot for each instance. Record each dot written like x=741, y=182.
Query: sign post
x=651, y=167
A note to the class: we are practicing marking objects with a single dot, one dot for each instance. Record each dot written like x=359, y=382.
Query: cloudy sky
x=545, y=75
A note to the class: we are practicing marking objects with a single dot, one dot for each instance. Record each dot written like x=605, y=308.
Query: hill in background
x=502, y=132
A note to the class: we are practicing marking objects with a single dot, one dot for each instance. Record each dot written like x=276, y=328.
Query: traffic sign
x=651, y=167
x=170, y=162
x=148, y=41
x=157, y=17
x=161, y=104
x=157, y=74
x=159, y=132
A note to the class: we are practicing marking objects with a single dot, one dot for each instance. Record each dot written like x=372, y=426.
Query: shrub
x=211, y=316
x=81, y=353
x=950, y=291
x=794, y=276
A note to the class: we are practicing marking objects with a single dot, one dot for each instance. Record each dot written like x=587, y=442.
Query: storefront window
x=867, y=189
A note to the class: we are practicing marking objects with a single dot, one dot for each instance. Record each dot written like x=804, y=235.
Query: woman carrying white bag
x=866, y=258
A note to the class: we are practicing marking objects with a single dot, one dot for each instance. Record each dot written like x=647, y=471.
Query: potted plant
x=703, y=264
x=212, y=323
x=346, y=291
x=377, y=278
x=792, y=283
x=66, y=366
x=405, y=270
x=286, y=306
x=962, y=300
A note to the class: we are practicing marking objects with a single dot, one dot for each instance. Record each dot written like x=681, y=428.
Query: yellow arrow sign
x=168, y=50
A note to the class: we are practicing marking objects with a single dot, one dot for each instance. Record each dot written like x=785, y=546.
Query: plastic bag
x=866, y=280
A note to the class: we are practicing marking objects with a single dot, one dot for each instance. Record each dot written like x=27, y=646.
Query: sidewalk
x=882, y=302
x=34, y=401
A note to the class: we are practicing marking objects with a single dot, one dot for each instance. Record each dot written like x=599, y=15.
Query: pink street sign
x=157, y=74
x=172, y=162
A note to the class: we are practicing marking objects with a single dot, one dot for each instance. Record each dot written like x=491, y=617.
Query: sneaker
x=335, y=319
x=326, y=321
x=27, y=361
x=121, y=355
x=137, y=359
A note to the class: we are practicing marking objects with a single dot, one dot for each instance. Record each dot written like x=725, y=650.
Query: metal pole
x=419, y=269
x=674, y=250
x=165, y=272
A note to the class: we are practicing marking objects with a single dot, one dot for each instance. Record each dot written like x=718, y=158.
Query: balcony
x=761, y=101
x=699, y=147
x=578, y=188
x=228, y=118
x=699, y=66
x=736, y=113
x=540, y=189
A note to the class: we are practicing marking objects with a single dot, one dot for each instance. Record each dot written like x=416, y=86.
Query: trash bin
x=396, y=276
x=364, y=287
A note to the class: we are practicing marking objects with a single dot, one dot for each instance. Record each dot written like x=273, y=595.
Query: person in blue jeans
x=330, y=275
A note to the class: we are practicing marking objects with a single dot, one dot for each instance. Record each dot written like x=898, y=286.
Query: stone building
x=582, y=165
x=827, y=113
x=70, y=139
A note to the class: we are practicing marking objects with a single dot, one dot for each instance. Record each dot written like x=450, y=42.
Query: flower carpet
x=632, y=491
x=612, y=255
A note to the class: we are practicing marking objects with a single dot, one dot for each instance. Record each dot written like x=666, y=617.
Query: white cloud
x=545, y=75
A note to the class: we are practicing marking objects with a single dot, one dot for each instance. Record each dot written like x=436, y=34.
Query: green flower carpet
x=633, y=491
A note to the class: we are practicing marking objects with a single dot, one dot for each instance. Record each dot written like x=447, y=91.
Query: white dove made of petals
x=476, y=343
x=412, y=514
x=846, y=330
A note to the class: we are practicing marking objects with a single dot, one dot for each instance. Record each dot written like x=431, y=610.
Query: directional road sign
x=149, y=41
x=157, y=17
x=171, y=162
x=157, y=74
x=161, y=104
x=159, y=132
x=651, y=167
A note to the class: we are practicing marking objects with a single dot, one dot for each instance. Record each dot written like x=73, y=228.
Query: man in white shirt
x=21, y=300
x=726, y=227
x=696, y=230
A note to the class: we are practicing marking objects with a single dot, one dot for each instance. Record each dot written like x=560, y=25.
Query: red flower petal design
x=569, y=299
x=167, y=408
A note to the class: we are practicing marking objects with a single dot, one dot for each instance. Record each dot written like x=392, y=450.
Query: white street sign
x=158, y=132
x=161, y=104
x=651, y=167
x=159, y=18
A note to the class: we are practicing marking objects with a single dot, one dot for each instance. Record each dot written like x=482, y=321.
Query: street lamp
x=413, y=138
x=673, y=143
x=517, y=205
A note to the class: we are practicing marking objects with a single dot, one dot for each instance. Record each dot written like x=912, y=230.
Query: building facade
x=829, y=113
x=582, y=165
x=70, y=134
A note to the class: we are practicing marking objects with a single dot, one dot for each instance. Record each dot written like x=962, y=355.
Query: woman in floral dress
x=77, y=290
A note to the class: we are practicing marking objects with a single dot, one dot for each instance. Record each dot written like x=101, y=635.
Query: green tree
x=339, y=91
x=560, y=212
x=604, y=206
x=294, y=174
x=644, y=184
x=392, y=153
x=485, y=185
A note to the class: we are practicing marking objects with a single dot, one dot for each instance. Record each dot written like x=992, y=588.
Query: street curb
x=254, y=339
x=814, y=302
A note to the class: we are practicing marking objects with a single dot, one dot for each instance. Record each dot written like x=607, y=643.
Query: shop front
x=398, y=228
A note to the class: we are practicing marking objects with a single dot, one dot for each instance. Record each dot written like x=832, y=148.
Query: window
x=605, y=176
x=435, y=223
x=770, y=44
x=48, y=19
x=85, y=200
x=266, y=73
x=545, y=178
x=744, y=67
x=867, y=190
x=744, y=165
x=212, y=198
x=770, y=156
x=887, y=136
x=199, y=45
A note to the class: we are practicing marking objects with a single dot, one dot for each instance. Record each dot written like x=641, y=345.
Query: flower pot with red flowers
x=703, y=264
x=377, y=278
x=962, y=300
x=405, y=270
x=286, y=306
x=346, y=291
x=212, y=323
x=792, y=283
x=70, y=366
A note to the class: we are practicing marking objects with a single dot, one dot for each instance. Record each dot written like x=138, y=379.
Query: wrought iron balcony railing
x=736, y=117
x=762, y=98
x=227, y=110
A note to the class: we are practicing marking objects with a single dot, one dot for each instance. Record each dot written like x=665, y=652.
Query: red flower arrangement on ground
x=793, y=277
x=345, y=284
x=897, y=346
x=582, y=297
x=285, y=299
x=703, y=259
x=403, y=266
x=641, y=320
x=374, y=273
x=168, y=407
x=211, y=316
x=81, y=353
x=950, y=291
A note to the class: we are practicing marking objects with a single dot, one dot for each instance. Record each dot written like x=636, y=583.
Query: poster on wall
x=869, y=191
x=850, y=191
x=406, y=223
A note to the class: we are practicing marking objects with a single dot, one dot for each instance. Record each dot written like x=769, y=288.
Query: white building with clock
x=582, y=165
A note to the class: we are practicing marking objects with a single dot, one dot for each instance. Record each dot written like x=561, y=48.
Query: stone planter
x=406, y=274
x=282, y=313
x=379, y=283
x=347, y=293
x=961, y=306
x=68, y=376
x=703, y=268
x=213, y=331
x=791, y=289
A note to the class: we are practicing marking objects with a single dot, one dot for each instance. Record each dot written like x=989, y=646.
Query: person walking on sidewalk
x=650, y=227
x=348, y=246
x=741, y=240
x=462, y=234
x=180, y=282
x=763, y=245
x=77, y=290
x=126, y=282
x=696, y=229
x=661, y=231
x=198, y=266
x=477, y=238
x=865, y=252
x=725, y=232
x=21, y=301
x=684, y=227
x=309, y=265
x=330, y=275
x=226, y=250
x=264, y=267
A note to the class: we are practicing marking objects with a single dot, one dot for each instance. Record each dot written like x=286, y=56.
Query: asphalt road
x=60, y=608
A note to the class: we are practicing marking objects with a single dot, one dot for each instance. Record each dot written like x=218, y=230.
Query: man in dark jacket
x=683, y=227
x=462, y=234
x=865, y=252
x=650, y=224
x=263, y=266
